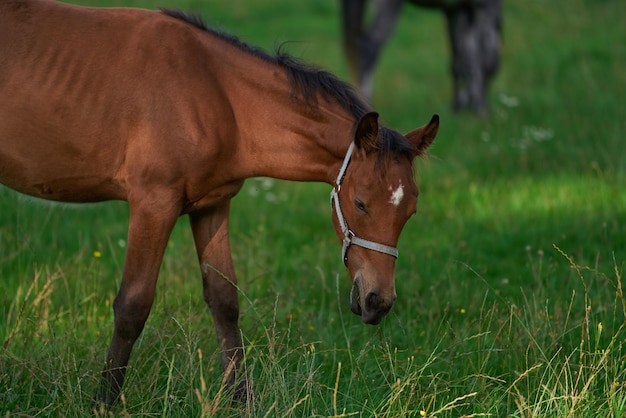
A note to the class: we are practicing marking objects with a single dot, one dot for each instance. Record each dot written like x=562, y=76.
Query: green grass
x=509, y=280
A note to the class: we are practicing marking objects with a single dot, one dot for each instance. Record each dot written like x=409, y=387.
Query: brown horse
x=157, y=109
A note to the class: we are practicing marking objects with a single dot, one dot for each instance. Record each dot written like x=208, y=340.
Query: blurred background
x=509, y=279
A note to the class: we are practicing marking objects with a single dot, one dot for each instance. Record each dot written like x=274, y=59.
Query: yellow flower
x=97, y=254
x=423, y=413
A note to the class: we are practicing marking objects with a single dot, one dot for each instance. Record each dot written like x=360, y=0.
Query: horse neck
x=282, y=138
x=301, y=146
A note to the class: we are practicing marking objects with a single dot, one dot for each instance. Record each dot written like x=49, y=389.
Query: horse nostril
x=376, y=307
x=372, y=301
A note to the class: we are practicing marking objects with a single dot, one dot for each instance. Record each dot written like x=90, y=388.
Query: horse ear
x=366, y=132
x=423, y=136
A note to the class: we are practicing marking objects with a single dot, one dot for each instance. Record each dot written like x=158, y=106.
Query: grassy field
x=509, y=279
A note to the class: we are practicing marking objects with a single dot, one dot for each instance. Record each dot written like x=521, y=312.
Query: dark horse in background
x=474, y=31
x=157, y=109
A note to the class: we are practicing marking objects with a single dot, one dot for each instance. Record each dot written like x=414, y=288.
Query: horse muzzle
x=370, y=306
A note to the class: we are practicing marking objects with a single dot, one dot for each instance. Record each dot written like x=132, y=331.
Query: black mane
x=307, y=81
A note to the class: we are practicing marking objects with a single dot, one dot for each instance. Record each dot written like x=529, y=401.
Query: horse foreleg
x=210, y=232
x=362, y=47
x=149, y=229
x=385, y=18
x=352, y=15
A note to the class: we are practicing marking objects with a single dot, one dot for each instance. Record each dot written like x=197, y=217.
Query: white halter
x=349, y=236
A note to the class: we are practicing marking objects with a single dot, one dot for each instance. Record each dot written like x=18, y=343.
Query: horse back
x=95, y=101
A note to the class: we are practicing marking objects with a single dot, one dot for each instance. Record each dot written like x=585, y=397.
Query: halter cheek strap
x=349, y=236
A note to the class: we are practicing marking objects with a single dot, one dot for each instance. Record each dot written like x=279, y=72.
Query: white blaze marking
x=397, y=195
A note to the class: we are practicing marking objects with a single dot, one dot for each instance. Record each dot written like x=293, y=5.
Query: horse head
x=374, y=196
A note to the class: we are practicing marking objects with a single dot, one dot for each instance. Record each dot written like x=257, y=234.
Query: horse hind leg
x=490, y=33
x=210, y=232
x=149, y=230
x=469, y=90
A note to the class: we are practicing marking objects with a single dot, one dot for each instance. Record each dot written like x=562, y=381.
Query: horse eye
x=360, y=205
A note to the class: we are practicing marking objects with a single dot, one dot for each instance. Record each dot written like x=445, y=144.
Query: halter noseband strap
x=349, y=236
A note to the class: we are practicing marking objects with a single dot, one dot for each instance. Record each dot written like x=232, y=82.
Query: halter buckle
x=347, y=242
